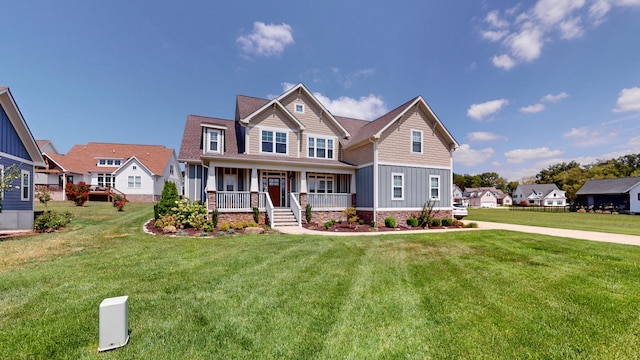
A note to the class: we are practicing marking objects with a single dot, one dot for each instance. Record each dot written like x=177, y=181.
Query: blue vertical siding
x=12, y=199
x=364, y=187
x=196, y=177
x=416, y=186
x=10, y=142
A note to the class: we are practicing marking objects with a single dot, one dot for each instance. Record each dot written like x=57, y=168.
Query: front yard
x=476, y=294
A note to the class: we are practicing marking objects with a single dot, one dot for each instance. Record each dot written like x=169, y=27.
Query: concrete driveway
x=485, y=225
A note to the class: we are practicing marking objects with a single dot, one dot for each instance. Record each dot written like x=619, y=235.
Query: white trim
x=295, y=108
x=15, y=158
x=212, y=126
x=29, y=185
x=439, y=187
x=1, y=179
x=421, y=142
x=207, y=140
x=326, y=147
x=415, y=166
x=393, y=187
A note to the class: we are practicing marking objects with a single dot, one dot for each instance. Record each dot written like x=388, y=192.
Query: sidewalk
x=484, y=225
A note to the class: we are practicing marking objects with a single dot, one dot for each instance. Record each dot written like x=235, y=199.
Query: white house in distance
x=137, y=172
x=539, y=195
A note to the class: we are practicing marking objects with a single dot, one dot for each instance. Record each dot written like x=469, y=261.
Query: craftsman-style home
x=283, y=154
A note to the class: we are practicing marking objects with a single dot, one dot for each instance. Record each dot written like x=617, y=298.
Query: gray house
x=617, y=193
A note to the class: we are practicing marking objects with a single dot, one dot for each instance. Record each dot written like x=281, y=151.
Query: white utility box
x=114, y=319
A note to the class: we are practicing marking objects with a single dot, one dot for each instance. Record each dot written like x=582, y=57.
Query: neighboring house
x=280, y=155
x=539, y=195
x=502, y=199
x=137, y=172
x=458, y=196
x=621, y=193
x=49, y=175
x=481, y=197
x=17, y=147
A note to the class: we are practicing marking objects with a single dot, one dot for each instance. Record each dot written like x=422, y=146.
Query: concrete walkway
x=484, y=225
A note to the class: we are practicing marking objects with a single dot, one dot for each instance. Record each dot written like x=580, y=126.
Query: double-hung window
x=416, y=141
x=26, y=185
x=434, y=187
x=321, y=148
x=134, y=182
x=274, y=142
x=397, y=187
x=213, y=141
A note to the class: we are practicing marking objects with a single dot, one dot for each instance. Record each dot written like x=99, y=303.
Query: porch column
x=64, y=186
x=211, y=188
x=303, y=189
x=353, y=190
x=254, y=188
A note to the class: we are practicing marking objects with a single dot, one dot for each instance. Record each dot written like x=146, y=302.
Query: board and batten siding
x=195, y=182
x=395, y=142
x=10, y=142
x=416, y=186
x=276, y=120
x=364, y=186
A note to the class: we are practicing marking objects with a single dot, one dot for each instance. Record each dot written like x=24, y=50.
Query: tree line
x=567, y=176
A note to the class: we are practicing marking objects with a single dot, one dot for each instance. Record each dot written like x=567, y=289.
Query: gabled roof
x=191, y=146
x=84, y=158
x=375, y=128
x=608, y=186
x=43, y=143
x=537, y=189
x=20, y=125
x=275, y=103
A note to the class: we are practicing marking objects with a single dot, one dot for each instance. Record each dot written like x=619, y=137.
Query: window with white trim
x=109, y=162
x=299, y=108
x=434, y=187
x=397, y=186
x=321, y=148
x=2, y=179
x=273, y=142
x=25, y=181
x=134, y=182
x=321, y=184
x=213, y=140
x=416, y=141
x=106, y=180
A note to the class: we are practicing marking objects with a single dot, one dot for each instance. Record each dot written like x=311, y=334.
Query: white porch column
x=353, y=183
x=303, y=181
x=375, y=182
x=212, y=184
x=254, y=187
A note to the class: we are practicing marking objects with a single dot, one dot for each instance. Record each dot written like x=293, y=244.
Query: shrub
x=447, y=222
x=390, y=222
x=361, y=221
x=372, y=223
x=43, y=194
x=190, y=214
x=435, y=222
x=214, y=217
x=458, y=223
x=168, y=200
x=251, y=224
x=307, y=213
x=225, y=226
x=51, y=220
x=472, y=225
x=425, y=216
x=78, y=193
x=329, y=224
x=256, y=214
x=166, y=220
x=350, y=212
x=413, y=222
x=221, y=233
x=231, y=231
x=208, y=226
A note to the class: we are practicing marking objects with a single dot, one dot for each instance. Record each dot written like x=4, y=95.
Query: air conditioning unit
x=114, y=318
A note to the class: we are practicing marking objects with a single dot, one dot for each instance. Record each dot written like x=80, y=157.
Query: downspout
x=374, y=140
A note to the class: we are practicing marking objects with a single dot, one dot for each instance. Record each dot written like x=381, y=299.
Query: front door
x=274, y=191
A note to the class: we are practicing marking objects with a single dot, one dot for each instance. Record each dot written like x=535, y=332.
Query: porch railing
x=233, y=199
x=329, y=201
x=296, y=208
x=269, y=209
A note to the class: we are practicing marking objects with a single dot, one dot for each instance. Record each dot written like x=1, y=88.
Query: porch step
x=284, y=217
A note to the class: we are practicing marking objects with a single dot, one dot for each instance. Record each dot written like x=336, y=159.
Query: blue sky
x=520, y=86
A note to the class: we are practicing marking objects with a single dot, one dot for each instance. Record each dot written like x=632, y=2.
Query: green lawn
x=459, y=295
x=619, y=224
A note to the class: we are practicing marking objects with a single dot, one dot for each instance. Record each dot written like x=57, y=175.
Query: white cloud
x=580, y=133
x=628, y=100
x=522, y=155
x=366, y=107
x=523, y=32
x=266, y=39
x=555, y=98
x=481, y=111
x=532, y=109
x=587, y=137
x=503, y=61
x=484, y=136
x=467, y=156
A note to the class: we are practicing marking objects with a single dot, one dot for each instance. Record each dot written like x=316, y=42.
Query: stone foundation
x=322, y=217
x=234, y=217
x=400, y=216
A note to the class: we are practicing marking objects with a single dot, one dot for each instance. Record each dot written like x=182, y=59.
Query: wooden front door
x=274, y=191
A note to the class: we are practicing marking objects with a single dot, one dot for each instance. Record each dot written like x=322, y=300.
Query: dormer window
x=109, y=162
x=213, y=140
x=299, y=108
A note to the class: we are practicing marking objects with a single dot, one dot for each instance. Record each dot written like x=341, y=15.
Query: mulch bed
x=150, y=228
x=344, y=227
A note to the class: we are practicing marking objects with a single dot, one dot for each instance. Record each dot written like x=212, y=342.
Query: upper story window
x=416, y=141
x=171, y=169
x=109, y=162
x=274, y=142
x=397, y=187
x=213, y=140
x=434, y=187
x=321, y=148
x=299, y=108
